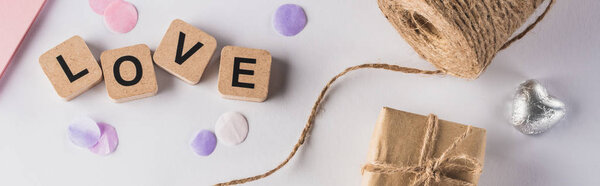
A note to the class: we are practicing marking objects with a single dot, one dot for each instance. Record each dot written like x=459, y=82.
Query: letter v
x=179, y=58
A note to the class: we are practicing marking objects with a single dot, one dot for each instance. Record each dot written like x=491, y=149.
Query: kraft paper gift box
x=399, y=140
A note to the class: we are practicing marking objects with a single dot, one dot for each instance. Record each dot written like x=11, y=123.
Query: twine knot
x=432, y=170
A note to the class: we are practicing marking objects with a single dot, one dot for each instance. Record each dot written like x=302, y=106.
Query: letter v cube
x=185, y=51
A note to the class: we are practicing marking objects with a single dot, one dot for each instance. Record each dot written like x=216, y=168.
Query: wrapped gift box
x=394, y=156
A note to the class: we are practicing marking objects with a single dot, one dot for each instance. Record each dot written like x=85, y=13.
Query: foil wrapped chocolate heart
x=534, y=111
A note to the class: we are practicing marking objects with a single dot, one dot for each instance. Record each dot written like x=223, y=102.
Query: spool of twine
x=461, y=42
x=460, y=37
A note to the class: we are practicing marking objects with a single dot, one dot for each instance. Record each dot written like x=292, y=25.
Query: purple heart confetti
x=108, y=141
x=289, y=19
x=84, y=132
x=204, y=143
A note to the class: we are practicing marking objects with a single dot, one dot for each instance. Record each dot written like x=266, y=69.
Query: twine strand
x=529, y=28
x=315, y=108
x=396, y=68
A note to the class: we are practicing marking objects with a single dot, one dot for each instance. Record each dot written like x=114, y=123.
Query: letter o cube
x=129, y=73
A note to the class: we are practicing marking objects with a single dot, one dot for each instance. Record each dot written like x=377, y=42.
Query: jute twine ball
x=458, y=36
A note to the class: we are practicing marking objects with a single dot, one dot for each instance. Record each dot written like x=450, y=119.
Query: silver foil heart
x=534, y=111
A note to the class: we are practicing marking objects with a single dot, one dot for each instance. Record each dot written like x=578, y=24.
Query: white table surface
x=562, y=53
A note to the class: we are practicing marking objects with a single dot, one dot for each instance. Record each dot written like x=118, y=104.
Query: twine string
x=529, y=28
x=311, y=118
x=315, y=108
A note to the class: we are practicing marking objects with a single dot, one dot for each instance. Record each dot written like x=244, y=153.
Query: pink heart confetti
x=99, y=6
x=120, y=16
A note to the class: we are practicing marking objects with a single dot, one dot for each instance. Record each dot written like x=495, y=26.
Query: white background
x=562, y=53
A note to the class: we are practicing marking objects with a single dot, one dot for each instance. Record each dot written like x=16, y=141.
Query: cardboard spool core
x=422, y=26
x=435, y=40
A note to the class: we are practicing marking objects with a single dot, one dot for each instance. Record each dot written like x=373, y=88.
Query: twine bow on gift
x=432, y=170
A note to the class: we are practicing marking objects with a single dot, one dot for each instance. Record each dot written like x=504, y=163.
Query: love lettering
x=128, y=72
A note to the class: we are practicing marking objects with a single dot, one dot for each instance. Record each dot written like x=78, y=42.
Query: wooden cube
x=244, y=73
x=185, y=51
x=71, y=68
x=129, y=73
